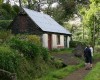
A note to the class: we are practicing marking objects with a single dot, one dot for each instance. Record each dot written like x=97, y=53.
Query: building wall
x=23, y=24
x=62, y=40
x=54, y=41
x=68, y=40
x=45, y=40
x=61, y=45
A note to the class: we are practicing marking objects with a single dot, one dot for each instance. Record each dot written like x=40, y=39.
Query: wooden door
x=49, y=41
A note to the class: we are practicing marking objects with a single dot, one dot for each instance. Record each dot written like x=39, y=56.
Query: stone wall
x=5, y=75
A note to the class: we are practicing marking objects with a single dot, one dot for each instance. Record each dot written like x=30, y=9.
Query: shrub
x=13, y=62
x=3, y=14
x=34, y=39
x=31, y=38
x=9, y=60
x=44, y=53
x=29, y=49
x=73, y=44
x=16, y=8
x=4, y=35
x=4, y=24
x=9, y=10
x=26, y=47
x=58, y=63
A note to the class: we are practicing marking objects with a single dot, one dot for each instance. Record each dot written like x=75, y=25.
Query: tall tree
x=1, y=1
x=91, y=20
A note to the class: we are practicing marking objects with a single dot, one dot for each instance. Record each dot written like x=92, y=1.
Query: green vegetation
x=26, y=59
x=4, y=24
x=62, y=51
x=94, y=74
x=73, y=44
x=9, y=60
x=61, y=73
x=12, y=61
x=24, y=55
x=5, y=36
x=6, y=9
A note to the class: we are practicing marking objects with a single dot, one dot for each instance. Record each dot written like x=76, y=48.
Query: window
x=58, y=39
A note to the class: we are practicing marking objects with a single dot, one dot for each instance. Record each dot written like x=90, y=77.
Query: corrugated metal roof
x=45, y=22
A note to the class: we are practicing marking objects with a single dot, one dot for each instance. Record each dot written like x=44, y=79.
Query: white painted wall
x=62, y=40
x=54, y=41
x=45, y=40
x=68, y=40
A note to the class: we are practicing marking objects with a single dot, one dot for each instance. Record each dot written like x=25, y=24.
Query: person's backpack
x=85, y=52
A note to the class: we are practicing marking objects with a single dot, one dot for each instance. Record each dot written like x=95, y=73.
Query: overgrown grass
x=61, y=73
x=94, y=74
x=97, y=51
x=26, y=59
x=62, y=51
x=96, y=56
x=26, y=69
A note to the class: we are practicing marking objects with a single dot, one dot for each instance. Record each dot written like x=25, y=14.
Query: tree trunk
x=94, y=34
x=39, y=6
x=20, y=4
x=29, y=3
x=7, y=1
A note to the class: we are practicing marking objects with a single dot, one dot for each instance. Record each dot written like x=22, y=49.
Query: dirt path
x=71, y=60
x=77, y=75
x=68, y=59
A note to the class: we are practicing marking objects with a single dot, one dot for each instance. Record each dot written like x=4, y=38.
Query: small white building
x=52, y=34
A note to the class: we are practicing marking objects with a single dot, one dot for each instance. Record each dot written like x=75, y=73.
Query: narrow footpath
x=71, y=60
x=80, y=73
x=77, y=75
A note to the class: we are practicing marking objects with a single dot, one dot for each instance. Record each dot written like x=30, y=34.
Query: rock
x=79, y=50
x=5, y=75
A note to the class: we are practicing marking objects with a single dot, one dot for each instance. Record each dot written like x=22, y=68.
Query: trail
x=71, y=60
x=77, y=75
x=80, y=73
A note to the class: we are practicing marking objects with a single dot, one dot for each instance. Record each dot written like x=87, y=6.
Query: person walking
x=91, y=48
x=88, y=58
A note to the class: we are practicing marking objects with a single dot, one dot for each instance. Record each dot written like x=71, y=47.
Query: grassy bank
x=61, y=73
x=25, y=68
x=26, y=59
x=94, y=74
x=61, y=51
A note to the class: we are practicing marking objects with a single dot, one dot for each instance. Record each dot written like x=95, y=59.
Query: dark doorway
x=49, y=41
x=65, y=41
